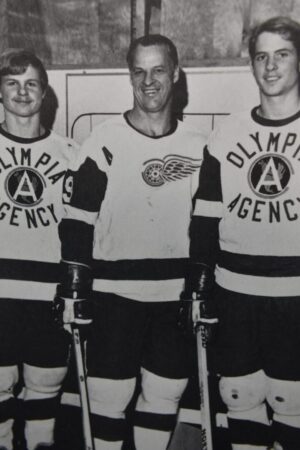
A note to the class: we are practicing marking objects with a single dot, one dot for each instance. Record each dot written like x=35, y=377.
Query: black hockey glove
x=197, y=306
x=72, y=305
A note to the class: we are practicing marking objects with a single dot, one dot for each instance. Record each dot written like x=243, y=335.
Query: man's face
x=275, y=65
x=152, y=77
x=22, y=95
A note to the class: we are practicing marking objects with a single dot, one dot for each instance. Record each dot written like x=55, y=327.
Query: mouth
x=150, y=92
x=271, y=78
x=22, y=101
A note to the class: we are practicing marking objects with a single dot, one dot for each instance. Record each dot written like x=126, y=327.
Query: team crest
x=25, y=186
x=172, y=168
x=269, y=175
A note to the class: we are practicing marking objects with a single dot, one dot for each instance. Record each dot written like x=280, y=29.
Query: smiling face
x=22, y=95
x=152, y=77
x=275, y=65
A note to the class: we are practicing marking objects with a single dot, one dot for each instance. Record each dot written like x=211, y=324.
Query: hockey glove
x=196, y=304
x=72, y=305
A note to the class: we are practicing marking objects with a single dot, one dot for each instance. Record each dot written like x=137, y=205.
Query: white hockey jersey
x=136, y=191
x=31, y=179
x=255, y=193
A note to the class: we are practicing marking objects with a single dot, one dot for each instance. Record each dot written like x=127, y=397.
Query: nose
x=148, y=78
x=22, y=90
x=271, y=63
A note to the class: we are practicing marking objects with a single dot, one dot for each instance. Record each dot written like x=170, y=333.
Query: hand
x=197, y=307
x=204, y=318
x=71, y=305
x=69, y=312
x=194, y=315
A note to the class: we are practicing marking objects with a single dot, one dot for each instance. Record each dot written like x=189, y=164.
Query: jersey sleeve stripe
x=73, y=213
x=208, y=209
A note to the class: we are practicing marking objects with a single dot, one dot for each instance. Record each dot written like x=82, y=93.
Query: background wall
x=202, y=92
x=96, y=33
x=84, y=42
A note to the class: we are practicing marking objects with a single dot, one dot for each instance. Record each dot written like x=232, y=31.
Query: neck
x=278, y=107
x=24, y=127
x=151, y=124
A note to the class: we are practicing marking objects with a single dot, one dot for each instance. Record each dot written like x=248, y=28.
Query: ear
x=130, y=76
x=176, y=74
x=45, y=93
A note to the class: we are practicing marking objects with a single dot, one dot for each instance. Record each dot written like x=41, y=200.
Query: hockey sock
x=250, y=430
x=6, y=435
x=39, y=413
x=7, y=414
x=287, y=436
x=156, y=411
x=108, y=401
x=105, y=445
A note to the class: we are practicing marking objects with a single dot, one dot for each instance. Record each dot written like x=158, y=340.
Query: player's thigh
x=280, y=330
x=167, y=352
x=236, y=350
x=45, y=343
x=115, y=339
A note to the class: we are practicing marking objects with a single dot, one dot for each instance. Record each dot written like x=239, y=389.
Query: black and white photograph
x=149, y=225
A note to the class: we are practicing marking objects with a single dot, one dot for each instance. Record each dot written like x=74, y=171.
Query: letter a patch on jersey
x=269, y=176
x=25, y=187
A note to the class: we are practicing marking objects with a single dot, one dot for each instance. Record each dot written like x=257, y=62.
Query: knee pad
x=8, y=378
x=160, y=392
x=110, y=397
x=284, y=396
x=44, y=380
x=245, y=392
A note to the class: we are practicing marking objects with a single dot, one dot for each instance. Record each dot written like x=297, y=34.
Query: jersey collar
x=171, y=130
x=22, y=140
x=272, y=122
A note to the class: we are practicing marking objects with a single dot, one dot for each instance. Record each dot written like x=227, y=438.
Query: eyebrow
x=284, y=49
x=14, y=77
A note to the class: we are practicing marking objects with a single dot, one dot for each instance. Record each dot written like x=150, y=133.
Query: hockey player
x=248, y=208
x=32, y=166
x=128, y=206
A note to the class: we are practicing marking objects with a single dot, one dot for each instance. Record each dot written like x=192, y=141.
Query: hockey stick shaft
x=206, y=433
x=84, y=399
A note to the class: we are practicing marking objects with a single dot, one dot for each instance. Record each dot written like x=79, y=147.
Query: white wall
x=210, y=90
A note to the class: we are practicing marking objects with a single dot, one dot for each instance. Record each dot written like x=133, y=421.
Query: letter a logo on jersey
x=269, y=176
x=25, y=186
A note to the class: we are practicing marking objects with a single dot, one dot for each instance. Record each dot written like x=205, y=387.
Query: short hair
x=147, y=41
x=286, y=27
x=15, y=61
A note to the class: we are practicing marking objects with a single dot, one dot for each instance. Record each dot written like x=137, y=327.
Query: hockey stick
x=84, y=399
x=206, y=433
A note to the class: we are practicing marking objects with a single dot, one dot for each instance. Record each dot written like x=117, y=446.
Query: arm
x=84, y=190
x=204, y=247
